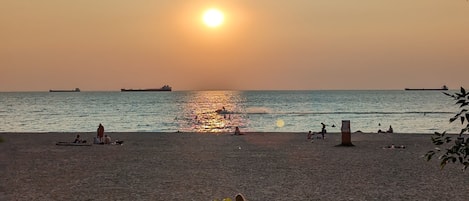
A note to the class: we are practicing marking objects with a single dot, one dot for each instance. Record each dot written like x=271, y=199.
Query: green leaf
x=454, y=118
x=466, y=164
x=457, y=152
x=442, y=157
x=447, y=139
x=443, y=163
x=463, y=131
x=429, y=155
x=460, y=101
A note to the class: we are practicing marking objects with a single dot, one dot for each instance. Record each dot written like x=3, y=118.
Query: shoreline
x=204, y=166
x=217, y=133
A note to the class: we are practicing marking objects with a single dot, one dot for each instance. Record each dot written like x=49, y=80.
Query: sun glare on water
x=213, y=17
x=280, y=123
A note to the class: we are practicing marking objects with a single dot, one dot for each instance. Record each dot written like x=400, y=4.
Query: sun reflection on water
x=213, y=111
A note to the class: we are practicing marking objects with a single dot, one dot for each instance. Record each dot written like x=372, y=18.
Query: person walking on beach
x=101, y=133
x=323, y=129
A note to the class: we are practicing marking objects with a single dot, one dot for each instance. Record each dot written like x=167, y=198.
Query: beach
x=208, y=166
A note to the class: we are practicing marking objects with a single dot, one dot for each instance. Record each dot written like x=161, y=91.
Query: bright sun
x=213, y=17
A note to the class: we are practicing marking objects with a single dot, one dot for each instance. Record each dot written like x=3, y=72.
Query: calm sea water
x=252, y=111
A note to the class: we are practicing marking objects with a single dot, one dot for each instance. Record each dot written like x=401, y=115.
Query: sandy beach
x=207, y=166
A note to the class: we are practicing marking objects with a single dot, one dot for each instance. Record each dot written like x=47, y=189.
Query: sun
x=213, y=17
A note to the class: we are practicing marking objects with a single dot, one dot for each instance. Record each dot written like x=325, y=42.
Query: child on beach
x=309, y=135
x=107, y=139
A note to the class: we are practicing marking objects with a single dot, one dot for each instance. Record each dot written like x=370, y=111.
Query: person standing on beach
x=101, y=132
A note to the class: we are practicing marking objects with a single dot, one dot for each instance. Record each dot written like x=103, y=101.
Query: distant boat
x=164, y=88
x=73, y=90
x=443, y=88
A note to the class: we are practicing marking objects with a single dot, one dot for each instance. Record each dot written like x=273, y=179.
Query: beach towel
x=71, y=144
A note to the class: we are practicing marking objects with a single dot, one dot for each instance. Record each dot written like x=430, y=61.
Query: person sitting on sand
x=309, y=135
x=390, y=130
x=107, y=139
x=77, y=139
x=237, y=131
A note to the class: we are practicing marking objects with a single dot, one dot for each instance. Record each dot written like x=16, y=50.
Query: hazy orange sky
x=263, y=44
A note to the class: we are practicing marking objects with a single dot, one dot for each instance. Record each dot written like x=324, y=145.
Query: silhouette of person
x=101, y=133
x=77, y=140
x=323, y=130
x=309, y=135
x=390, y=130
x=237, y=131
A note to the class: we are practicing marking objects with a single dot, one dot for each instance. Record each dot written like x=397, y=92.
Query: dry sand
x=195, y=166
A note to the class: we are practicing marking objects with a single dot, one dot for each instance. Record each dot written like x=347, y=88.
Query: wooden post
x=346, y=134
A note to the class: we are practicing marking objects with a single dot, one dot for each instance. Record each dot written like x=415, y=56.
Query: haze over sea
x=252, y=111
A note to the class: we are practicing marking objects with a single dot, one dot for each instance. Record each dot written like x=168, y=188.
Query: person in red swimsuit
x=101, y=133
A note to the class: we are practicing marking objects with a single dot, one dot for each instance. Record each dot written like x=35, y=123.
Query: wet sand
x=201, y=166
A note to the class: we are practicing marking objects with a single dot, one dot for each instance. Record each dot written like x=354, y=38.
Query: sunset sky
x=99, y=45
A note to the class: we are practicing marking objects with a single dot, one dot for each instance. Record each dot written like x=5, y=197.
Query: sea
x=221, y=111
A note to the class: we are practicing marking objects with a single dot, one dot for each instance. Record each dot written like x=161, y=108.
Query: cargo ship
x=73, y=90
x=164, y=88
x=443, y=88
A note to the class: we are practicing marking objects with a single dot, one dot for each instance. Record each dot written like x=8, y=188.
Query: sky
x=106, y=45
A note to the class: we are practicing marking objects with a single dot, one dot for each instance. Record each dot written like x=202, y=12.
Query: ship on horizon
x=60, y=90
x=443, y=88
x=164, y=88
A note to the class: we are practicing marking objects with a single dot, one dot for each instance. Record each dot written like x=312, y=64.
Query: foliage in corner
x=457, y=151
